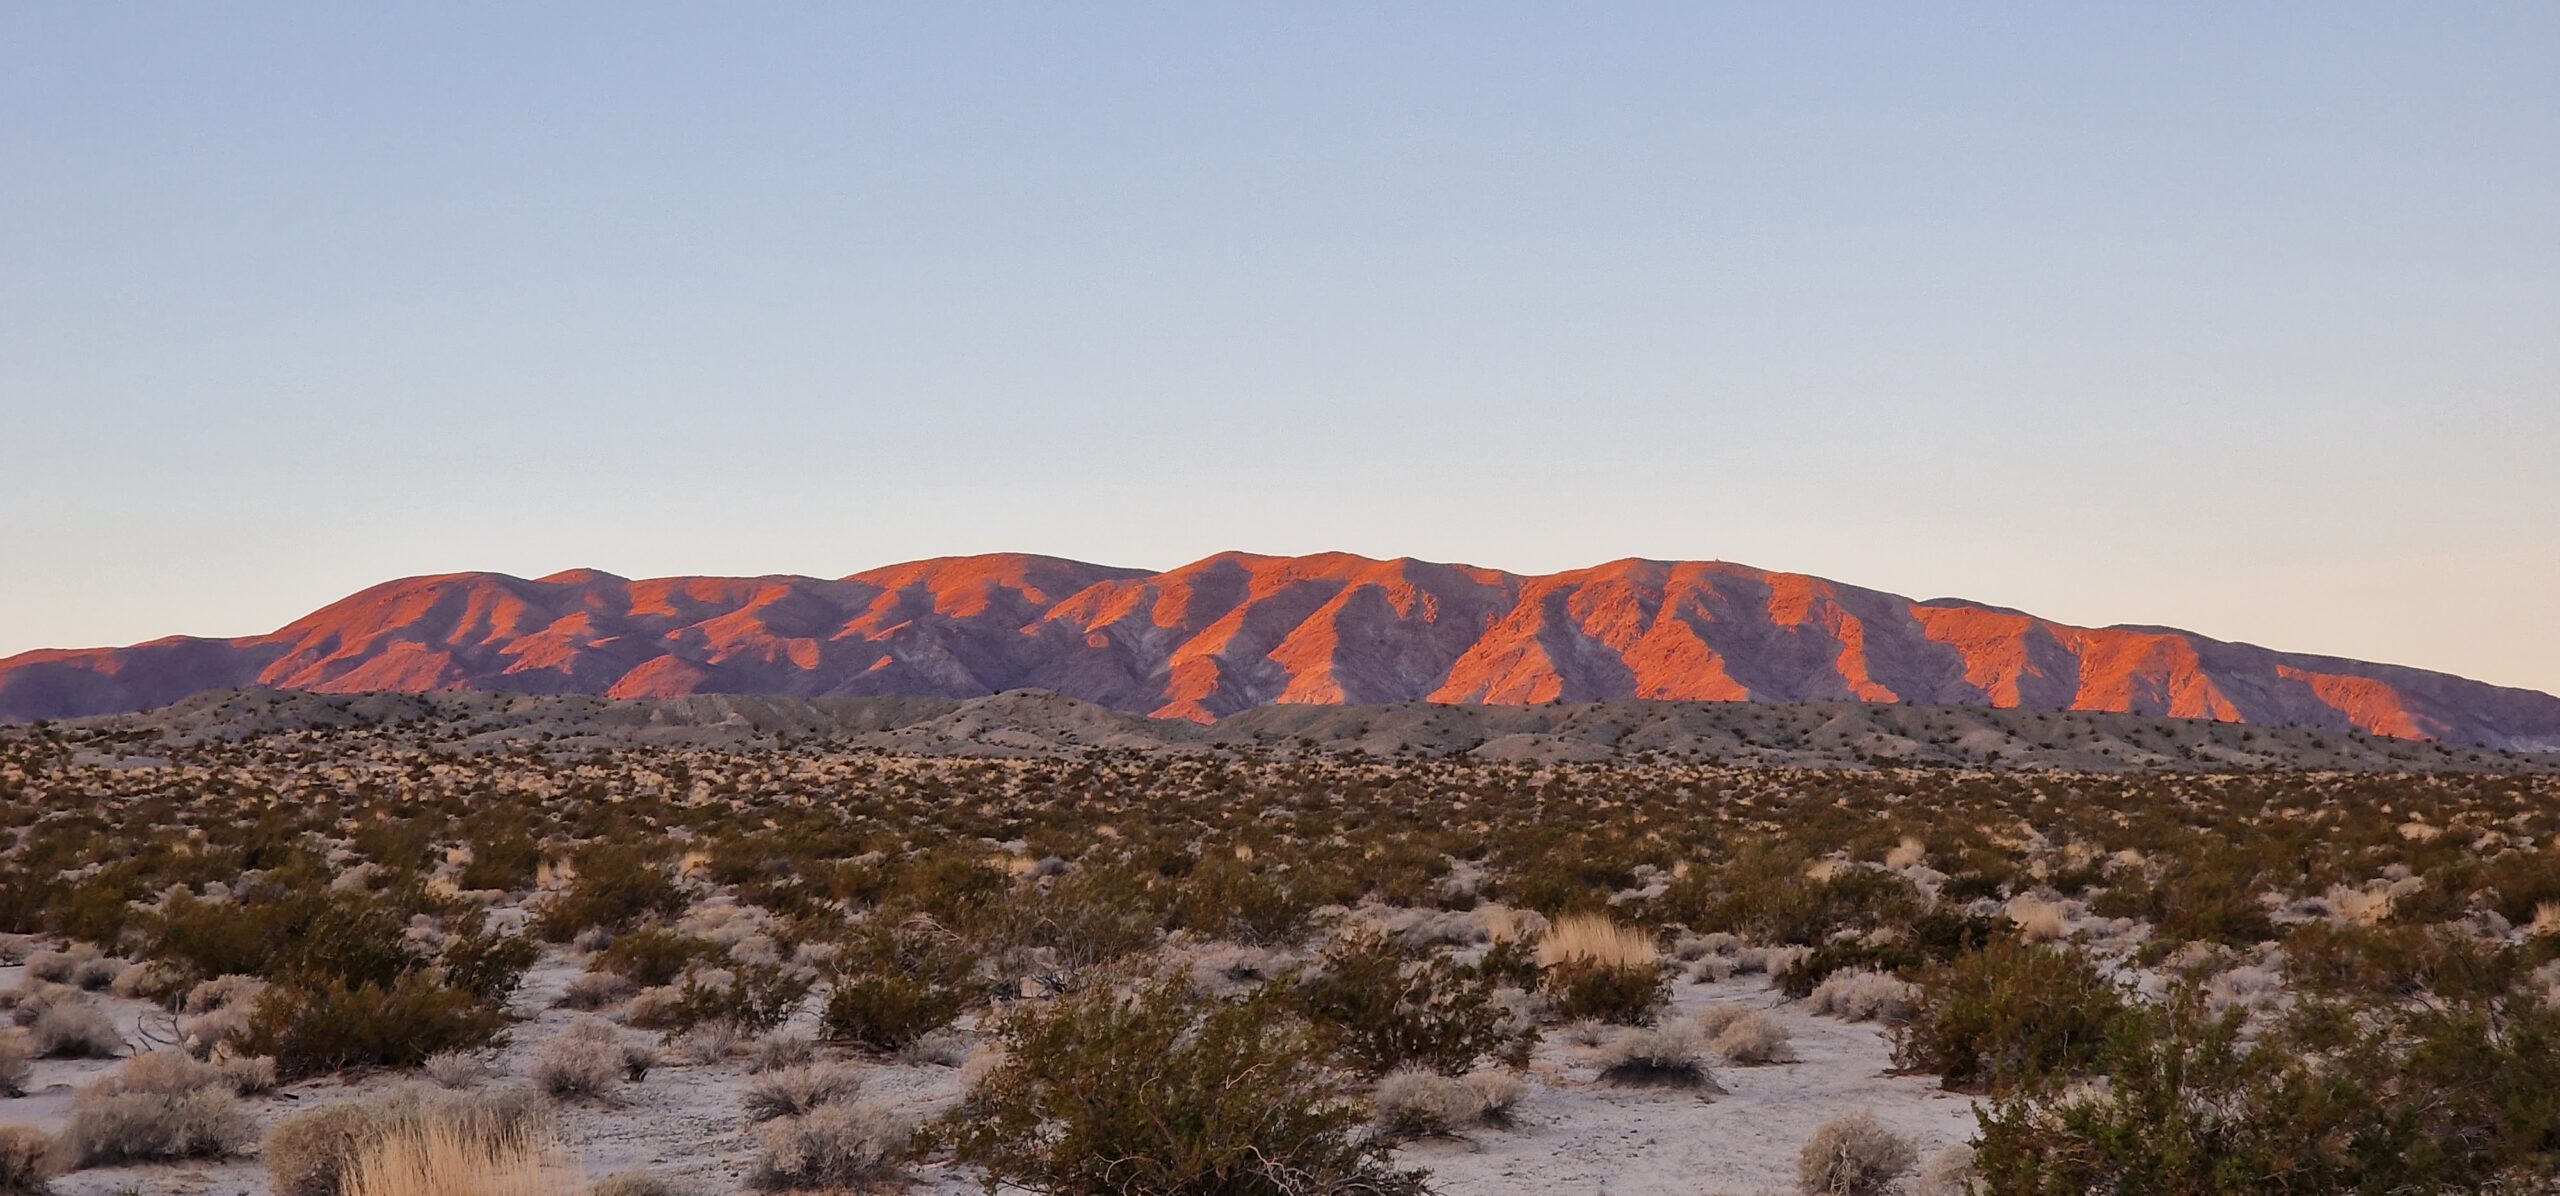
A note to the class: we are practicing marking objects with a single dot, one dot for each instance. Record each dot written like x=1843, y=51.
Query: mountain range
x=1238, y=631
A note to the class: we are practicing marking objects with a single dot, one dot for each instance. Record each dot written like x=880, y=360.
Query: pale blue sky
x=2244, y=318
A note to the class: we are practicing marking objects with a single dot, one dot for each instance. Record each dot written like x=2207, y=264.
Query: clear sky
x=2242, y=318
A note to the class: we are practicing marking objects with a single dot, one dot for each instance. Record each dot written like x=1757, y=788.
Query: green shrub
x=310, y=1029
x=614, y=889
x=2006, y=1016
x=1154, y=1092
x=755, y=998
x=1627, y=994
x=896, y=983
x=653, y=955
x=1380, y=1011
x=485, y=963
x=2464, y=1099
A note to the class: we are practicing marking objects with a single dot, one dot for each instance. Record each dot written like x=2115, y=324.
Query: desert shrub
x=832, y=1148
x=1591, y=967
x=1420, y=1103
x=653, y=956
x=2190, y=1108
x=307, y=934
x=26, y=1161
x=897, y=982
x=309, y=1030
x=312, y=1153
x=792, y=1091
x=1750, y=1040
x=752, y=998
x=2013, y=1014
x=1949, y=1172
x=595, y=990
x=616, y=886
x=1669, y=1056
x=16, y=1055
x=1498, y=1094
x=1153, y=1092
x=1767, y=897
x=456, y=1069
x=1934, y=937
x=1862, y=996
x=157, y=1106
x=777, y=1051
x=485, y=963
x=501, y=861
x=1225, y=898
x=1852, y=1156
x=588, y=1060
x=1379, y=1011
x=2400, y=960
x=74, y=1029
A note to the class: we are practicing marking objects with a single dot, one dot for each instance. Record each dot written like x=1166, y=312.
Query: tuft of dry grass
x=26, y=1161
x=1672, y=1056
x=312, y=1153
x=15, y=1066
x=793, y=1091
x=1594, y=938
x=1852, y=1156
x=162, y=1105
x=1860, y=996
x=443, y=1158
x=834, y=1147
x=1750, y=1039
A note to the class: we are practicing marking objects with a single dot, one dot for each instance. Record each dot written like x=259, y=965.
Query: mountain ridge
x=1236, y=630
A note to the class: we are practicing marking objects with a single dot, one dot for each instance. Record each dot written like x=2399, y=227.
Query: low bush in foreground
x=2008, y=1016
x=1852, y=1156
x=1381, y=1011
x=317, y=1153
x=329, y=1026
x=1150, y=1091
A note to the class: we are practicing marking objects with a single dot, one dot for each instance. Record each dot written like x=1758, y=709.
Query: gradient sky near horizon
x=2239, y=318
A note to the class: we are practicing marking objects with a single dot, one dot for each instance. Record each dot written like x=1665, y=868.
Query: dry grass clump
x=1594, y=938
x=777, y=1051
x=2040, y=919
x=634, y=1183
x=26, y=1161
x=1852, y=1156
x=1672, y=1056
x=588, y=1060
x=1949, y=1172
x=1416, y=1102
x=162, y=1105
x=829, y=1148
x=1862, y=996
x=596, y=990
x=313, y=1153
x=16, y=1053
x=444, y=1158
x=793, y=1091
x=62, y=1024
x=457, y=1069
x=1749, y=1038
x=58, y=967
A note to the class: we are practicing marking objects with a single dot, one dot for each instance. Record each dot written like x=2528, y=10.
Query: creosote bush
x=330, y=1027
x=1381, y=1010
x=2013, y=1014
x=1145, y=1090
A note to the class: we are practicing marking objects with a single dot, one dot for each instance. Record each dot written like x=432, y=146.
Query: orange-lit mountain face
x=1237, y=631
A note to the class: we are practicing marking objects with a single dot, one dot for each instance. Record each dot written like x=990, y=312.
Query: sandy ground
x=1578, y=1136
x=1574, y=1136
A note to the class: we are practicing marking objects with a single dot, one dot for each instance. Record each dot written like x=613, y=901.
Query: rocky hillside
x=1236, y=632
